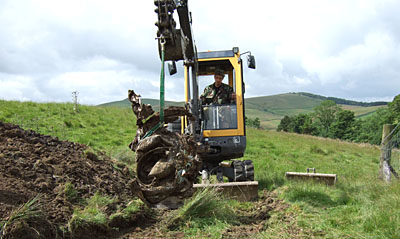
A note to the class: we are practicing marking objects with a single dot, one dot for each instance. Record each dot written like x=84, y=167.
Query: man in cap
x=218, y=92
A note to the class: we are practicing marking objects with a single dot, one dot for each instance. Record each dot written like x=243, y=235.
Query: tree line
x=329, y=120
x=343, y=101
x=255, y=123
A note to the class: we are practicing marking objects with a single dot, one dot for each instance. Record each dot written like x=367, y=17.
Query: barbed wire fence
x=390, y=153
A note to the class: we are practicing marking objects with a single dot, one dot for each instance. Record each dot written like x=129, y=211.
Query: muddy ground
x=32, y=164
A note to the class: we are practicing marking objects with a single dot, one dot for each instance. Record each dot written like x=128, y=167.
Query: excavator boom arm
x=179, y=43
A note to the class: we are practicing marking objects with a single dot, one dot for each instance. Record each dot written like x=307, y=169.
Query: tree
x=342, y=127
x=369, y=129
x=284, y=124
x=309, y=126
x=297, y=123
x=255, y=123
x=394, y=108
x=325, y=115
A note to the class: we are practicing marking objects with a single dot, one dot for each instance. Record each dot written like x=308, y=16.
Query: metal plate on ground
x=329, y=179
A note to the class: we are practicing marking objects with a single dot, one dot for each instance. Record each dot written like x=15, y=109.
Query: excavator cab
x=221, y=126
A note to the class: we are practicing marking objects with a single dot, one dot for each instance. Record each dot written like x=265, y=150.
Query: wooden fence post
x=386, y=151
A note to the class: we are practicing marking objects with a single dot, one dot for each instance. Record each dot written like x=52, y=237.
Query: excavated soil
x=32, y=164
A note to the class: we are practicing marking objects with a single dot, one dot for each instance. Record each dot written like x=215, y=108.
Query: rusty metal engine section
x=167, y=162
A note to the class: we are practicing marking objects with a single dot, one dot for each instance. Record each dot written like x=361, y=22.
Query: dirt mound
x=32, y=164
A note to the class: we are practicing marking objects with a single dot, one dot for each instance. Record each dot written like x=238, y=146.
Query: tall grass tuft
x=317, y=150
x=93, y=214
x=133, y=207
x=28, y=210
x=207, y=206
x=70, y=193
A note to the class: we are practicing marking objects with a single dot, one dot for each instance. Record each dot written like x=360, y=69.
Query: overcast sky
x=100, y=48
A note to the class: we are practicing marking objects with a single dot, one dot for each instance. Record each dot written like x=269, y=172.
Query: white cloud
x=21, y=88
x=343, y=48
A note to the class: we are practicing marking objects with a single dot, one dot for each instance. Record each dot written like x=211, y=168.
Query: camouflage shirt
x=212, y=95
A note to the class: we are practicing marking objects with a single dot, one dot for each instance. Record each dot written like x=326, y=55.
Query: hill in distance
x=155, y=104
x=271, y=109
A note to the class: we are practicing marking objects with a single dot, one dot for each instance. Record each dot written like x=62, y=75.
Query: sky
x=342, y=48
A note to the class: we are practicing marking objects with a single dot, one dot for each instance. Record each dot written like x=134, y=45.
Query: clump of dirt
x=32, y=164
x=269, y=215
x=253, y=221
x=37, y=227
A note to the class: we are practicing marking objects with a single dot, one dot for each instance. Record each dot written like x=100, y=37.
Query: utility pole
x=75, y=100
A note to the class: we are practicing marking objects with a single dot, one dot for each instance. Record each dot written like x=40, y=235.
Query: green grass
x=360, y=111
x=132, y=207
x=70, y=193
x=358, y=206
x=100, y=210
x=205, y=215
x=94, y=213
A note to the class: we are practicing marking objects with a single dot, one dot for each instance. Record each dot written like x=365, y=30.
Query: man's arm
x=204, y=95
x=232, y=95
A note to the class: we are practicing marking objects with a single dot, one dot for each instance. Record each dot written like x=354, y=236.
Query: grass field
x=358, y=206
x=359, y=111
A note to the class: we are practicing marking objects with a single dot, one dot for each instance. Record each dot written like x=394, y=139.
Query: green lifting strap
x=162, y=78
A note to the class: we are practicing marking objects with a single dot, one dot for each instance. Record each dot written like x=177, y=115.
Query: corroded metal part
x=167, y=162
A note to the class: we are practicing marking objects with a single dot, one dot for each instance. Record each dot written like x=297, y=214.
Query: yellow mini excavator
x=220, y=127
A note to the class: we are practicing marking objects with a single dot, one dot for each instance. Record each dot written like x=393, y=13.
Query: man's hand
x=233, y=96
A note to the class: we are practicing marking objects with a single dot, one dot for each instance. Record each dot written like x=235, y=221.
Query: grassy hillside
x=358, y=206
x=360, y=111
x=103, y=128
x=343, y=101
x=269, y=109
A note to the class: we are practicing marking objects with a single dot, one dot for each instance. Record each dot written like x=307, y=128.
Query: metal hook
x=162, y=42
